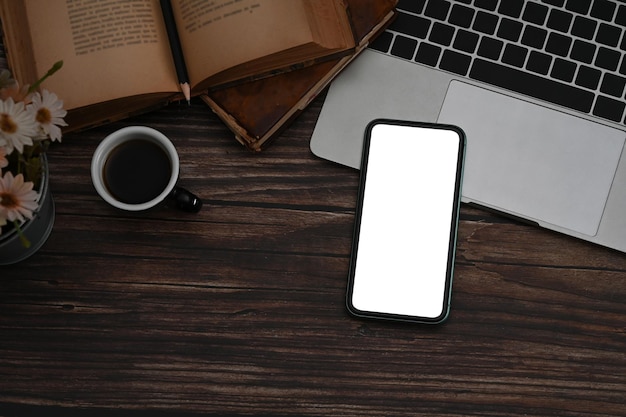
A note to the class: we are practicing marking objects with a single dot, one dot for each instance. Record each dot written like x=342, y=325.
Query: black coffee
x=137, y=171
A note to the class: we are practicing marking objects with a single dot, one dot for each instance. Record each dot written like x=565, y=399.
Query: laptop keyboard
x=566, y=52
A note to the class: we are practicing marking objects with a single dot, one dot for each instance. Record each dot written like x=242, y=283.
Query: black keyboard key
x=559, y=20
x=509, y=29
x=613, y=85
x=411, y=25
x=539, y=62
x=534, y=37
x=514, y=55
x=490, y=48
x=428, y=54
x=455, y=62
x=486, y=4
x=588, y=77
x=382, y=42
x=603, y=9
x=532, y=85
x=558, y=44
x=583, y=27
x=403, y=47
x=583, y=51
x=608, y=34
x=512, y=8
x=620, y=18
x=607, y=58
x=563, y=70
x=535, y=13
x=622, y=68
x=441, y=34
x=578, y=6
x=557, y=3
x=485, y=23
x=465, y=41
x=415, y=6
x=437, y=9
x=461, y=16
x=609, y=109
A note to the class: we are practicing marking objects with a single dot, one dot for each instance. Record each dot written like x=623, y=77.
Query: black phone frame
x=453, y=229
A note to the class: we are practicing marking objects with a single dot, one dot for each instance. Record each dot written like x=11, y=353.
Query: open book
x=117, y=57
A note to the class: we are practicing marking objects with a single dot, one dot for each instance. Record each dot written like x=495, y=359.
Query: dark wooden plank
x=240, y=308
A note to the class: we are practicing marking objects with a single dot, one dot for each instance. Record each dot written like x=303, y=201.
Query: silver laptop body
x=537, y=86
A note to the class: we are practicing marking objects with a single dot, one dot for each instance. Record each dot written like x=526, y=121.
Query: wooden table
x=239, y=309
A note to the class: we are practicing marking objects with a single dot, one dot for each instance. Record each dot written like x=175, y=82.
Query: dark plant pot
x=36, y=230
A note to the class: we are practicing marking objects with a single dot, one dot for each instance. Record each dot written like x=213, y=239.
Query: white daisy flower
x=49, y=113
x=17, y=126
x=17, y=198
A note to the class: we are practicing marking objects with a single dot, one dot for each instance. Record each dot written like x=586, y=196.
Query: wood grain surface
x=239, y=310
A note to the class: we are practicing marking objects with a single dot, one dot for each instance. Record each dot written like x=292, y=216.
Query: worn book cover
x=257, y=111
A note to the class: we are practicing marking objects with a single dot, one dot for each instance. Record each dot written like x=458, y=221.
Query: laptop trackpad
x=532, y=161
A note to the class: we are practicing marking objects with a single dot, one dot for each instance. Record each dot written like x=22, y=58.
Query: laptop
x=537, y=86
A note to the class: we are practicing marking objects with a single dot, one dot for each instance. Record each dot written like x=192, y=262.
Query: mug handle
x=186, y=200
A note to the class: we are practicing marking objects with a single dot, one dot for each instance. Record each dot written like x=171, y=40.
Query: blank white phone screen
x=402, y=257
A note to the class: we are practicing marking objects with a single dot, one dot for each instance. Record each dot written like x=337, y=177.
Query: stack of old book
x=256, y=63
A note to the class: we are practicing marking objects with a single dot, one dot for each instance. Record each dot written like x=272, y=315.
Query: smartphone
x=406, y=222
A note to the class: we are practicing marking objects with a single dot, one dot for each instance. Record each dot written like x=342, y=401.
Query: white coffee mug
x=136, y=168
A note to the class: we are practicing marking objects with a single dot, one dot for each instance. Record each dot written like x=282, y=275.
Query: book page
x=110, y=48
x=220, y=34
